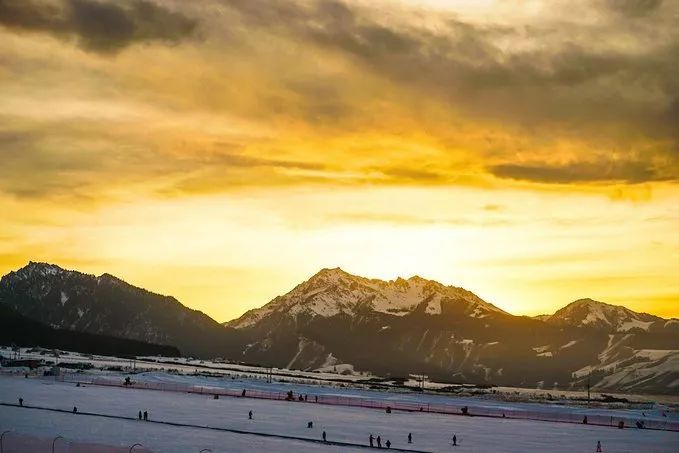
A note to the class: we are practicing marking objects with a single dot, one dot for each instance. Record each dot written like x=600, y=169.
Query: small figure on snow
x=454, y=440
x=379, y=442
x=139, y=415
x=75, y=410
x=388, y=409
x=21, y=401
x=598, y=446
x=146, y=416
x=301, y=398
x=324, y=437
x=465, y=410
x=388, y=444
x=371, y=439
x=243, y=393
x=250, y=415
x=310, y=425
x=316, y=399
x=584, y=420
x=410, y=438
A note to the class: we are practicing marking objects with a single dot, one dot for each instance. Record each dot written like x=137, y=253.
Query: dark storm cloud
x=627, y=172
x=634, y=8
x=570, y=76
x=98, y=26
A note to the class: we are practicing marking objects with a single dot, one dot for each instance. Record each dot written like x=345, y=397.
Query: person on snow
x=410, y=438
x=316, y=398
x=243, y=393
x=454, y=440
x=324, y=437
x=21, y=402
x=371, y=439
x=310, y=425
x=388, y=444
x=250, y=415
x=584, y=420
x=379, y=442
x=146, y=416
x=75, y=410
x=598, y=446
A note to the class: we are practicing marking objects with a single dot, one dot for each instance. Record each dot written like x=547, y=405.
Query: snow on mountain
x=334, y=291
x=592, y=313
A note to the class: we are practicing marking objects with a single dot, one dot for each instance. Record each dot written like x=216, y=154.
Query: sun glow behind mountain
x=222, y=152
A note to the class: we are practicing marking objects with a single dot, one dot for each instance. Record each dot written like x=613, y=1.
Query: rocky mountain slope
x=106, y=305
x=420, y=326
x=391, y=328
x=19, y=330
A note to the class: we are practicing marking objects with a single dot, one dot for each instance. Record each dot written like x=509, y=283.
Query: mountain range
x=336, y=320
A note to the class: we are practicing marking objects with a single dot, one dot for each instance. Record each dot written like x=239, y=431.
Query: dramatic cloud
x=99, y=26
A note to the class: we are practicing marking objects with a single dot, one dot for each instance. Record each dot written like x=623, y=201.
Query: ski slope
x=431, y=432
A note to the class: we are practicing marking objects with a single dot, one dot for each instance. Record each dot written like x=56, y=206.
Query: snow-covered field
x=431, y=432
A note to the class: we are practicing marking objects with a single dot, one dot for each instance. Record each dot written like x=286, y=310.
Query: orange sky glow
x=222, y=151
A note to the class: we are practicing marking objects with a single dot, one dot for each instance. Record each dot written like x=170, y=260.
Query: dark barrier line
x=213, y=428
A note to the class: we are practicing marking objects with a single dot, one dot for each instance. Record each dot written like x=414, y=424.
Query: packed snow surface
x=431, y=432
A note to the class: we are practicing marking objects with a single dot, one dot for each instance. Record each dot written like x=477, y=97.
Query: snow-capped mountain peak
x=333, y=291
x=592, y=313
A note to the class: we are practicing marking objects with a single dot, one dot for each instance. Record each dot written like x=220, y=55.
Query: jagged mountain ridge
x=106, y=305
x=389, y=328
x=333, y=291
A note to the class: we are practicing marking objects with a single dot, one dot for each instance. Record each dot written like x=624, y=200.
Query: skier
x=316, y=399
x=243, y=393
x=410, y=438
x=598, y=446
x=371, y=438
x=379, y=442
x=388, y=409
x=584, y=420
x=454, y=440
x=310, y=425
x=250, y=415
x=388, y=444
x=146, y=416
x=21, y=401
x=324, y=437
x=139, y=415
x=75, y=410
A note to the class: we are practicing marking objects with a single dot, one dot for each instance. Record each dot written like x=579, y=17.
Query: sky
x=223, y=151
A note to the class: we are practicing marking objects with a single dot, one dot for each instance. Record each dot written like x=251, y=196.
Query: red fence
x=665, y=424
